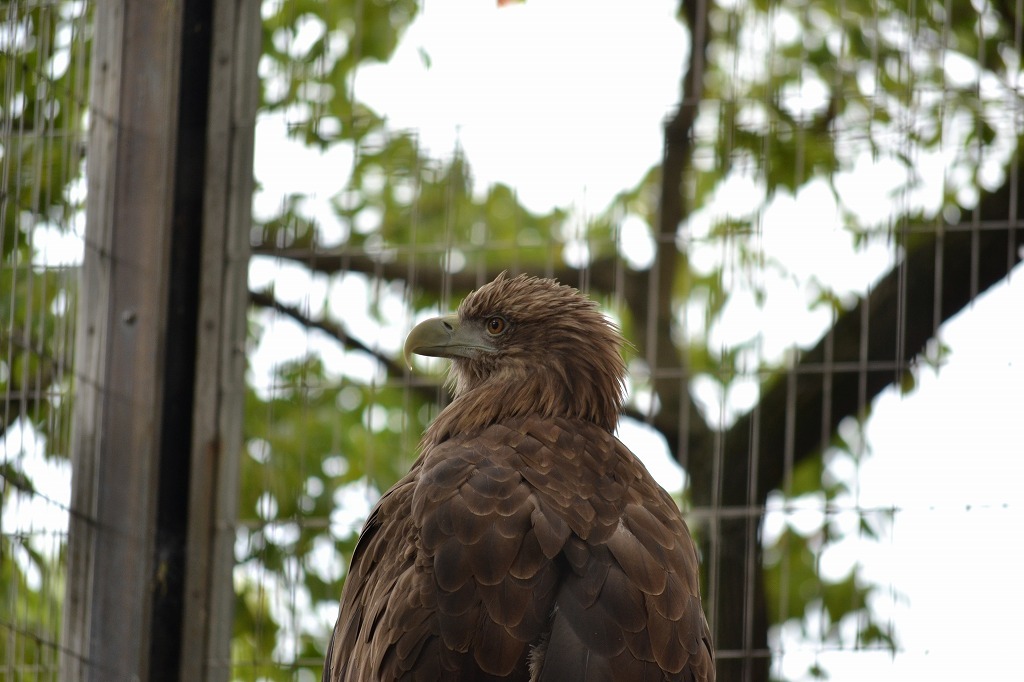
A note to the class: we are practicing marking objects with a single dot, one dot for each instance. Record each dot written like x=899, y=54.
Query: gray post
x=159, y=361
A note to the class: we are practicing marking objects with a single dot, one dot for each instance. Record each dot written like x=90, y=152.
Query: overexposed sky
x=584, y=83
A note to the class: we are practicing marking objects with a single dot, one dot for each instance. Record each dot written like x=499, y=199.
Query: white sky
x=578, y=81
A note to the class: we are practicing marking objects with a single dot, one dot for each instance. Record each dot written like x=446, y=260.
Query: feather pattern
x=526, y=542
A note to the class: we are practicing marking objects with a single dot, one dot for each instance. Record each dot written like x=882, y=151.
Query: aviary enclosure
x=219, y=220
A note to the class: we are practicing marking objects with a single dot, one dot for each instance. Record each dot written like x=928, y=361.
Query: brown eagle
x=526, y=542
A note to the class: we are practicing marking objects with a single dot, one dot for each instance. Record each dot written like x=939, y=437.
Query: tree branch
x=601, y=275
x=669, y=366
x=727, y=567
x=332, y=329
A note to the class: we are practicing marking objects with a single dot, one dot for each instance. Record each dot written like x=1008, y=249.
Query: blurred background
x=219, y=221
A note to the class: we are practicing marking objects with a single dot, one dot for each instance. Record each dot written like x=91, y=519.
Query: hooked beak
x=445, y=337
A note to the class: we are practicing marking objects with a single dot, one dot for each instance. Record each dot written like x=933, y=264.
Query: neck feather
x=539, y=391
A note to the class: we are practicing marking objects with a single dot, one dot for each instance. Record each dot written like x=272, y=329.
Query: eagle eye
x=495, y=325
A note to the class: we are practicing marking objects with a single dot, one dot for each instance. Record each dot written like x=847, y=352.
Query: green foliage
x=42, y=110
x=802, y=92
x=42, y=122
x=30, y=599
x=831, y=611
x=311, y=50
x=40, y=306
x=43, y=68
x=835, y=81
x=877, y=68
x=309, y=440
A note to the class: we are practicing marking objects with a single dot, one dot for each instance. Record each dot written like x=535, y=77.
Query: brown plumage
x=526, y=542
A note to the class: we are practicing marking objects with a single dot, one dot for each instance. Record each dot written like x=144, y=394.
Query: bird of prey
x=526, y=542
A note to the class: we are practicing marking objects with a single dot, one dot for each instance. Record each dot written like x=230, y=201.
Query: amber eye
x=495, y=325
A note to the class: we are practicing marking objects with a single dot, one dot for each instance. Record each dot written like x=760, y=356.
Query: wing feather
x=537, y=548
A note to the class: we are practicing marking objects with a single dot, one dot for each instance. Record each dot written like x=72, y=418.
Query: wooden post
x=159, y=361
x=221, y=363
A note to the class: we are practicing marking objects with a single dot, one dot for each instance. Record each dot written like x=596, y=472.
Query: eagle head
x=526, y=345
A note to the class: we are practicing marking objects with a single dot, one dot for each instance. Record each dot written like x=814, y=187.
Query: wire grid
x=818, y=548
x=43, y=103
x=342, y=271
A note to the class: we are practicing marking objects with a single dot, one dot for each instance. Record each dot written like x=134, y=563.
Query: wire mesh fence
x=817, y=276
x=787, y=311
x=43, y=100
